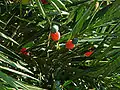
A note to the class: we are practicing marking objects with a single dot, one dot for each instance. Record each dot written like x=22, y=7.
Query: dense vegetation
x=60, y=44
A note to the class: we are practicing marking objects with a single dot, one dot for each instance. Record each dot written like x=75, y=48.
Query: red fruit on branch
x=24, y=51
x=87, y=54
x=55, y=36
x=70, y=45
x=44, y=1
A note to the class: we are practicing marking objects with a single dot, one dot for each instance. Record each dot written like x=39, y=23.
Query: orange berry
x=70, y=45
x=87, y=54
x=55, y=36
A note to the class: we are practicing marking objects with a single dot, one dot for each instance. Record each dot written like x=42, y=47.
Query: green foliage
x=49, y=64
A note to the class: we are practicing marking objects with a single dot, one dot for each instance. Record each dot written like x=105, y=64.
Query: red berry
x=70, y=45
x=44, y=1
x=55, y=36
x=24, y=51
x=87, y=54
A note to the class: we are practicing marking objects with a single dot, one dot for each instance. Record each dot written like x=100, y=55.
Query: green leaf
x=78, y=27
x=31, y=87
x=56, y=7
x=70, y=17
x=40, y=8
x=90, y=40
x=3, y=58
x=17, y=72
x=8, y=38
x=60, y=4
x=9, y=52
x=67, y=83
x=28, y=45
x=11, y=81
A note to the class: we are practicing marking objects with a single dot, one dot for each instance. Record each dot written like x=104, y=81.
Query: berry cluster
x=55, y=36
x=70, y=44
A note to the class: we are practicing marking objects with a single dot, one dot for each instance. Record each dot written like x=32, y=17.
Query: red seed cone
x=87, y=54
x=70, y=45
x=55, y=36
x=44, y=1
